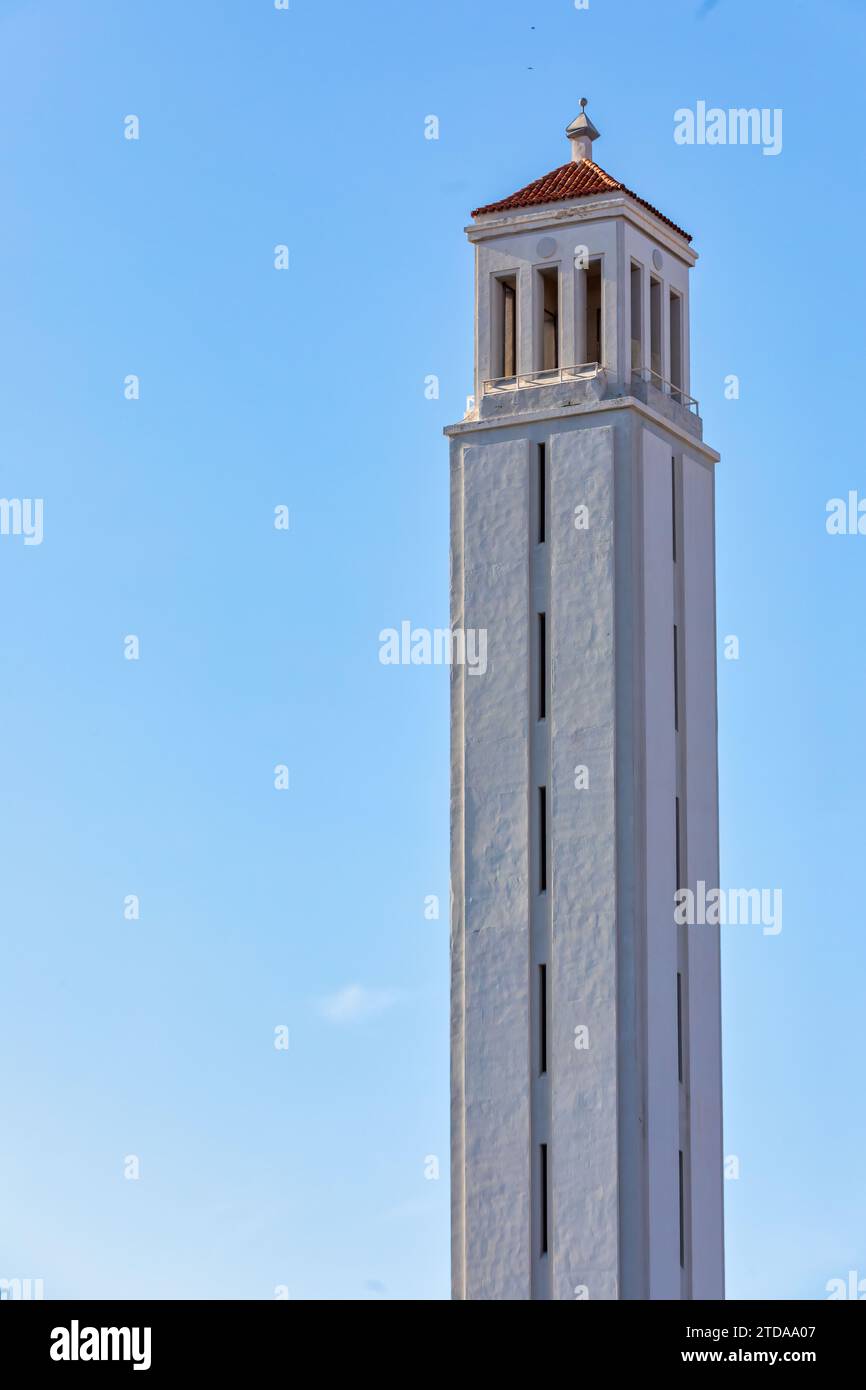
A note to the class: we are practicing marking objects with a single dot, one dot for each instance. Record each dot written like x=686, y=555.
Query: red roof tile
x=573, y=180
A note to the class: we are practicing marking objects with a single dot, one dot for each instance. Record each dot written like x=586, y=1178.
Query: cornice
x=592, y=209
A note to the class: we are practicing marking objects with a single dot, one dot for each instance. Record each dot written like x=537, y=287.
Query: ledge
x=568, y=409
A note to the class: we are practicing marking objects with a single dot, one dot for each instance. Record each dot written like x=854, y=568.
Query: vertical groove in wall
x=539, y=902
x=659, y=868
x=636, y=1235
x=683, y=861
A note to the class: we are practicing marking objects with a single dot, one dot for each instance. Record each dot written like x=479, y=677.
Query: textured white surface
x=660, y=790
x=613, y=1114
x=583, y=1161
x=704, y=1024
x=496, y=1023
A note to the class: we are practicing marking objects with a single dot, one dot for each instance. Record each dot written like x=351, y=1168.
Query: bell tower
x=585, y=1024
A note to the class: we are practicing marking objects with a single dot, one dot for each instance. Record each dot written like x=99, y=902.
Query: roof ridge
x=615, y=183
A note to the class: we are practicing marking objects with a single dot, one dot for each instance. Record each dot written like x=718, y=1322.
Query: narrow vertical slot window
x=543, y=1202
x=636, y=316
x=542, y=666
x=676, y=680
x=594, y=343
x=505, y=327
x=656, y=329
x=542, y=839
x=509, y=362
x=682, y=1215
x=542, y=1019
x=542, y=493
x=679, y=1026
x=677, y=845
x=676, y=326
x=549, y=290
x=674, y=507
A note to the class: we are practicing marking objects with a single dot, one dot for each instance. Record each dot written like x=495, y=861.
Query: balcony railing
x=668, y=388
x=551, y=377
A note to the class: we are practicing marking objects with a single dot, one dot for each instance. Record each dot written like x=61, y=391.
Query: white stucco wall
x=659, y=798
x=583, y=977
x=612, y=1114
x=702, y=862
x=490, y=925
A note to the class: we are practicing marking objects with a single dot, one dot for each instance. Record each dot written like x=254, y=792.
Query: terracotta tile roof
x=572, y=180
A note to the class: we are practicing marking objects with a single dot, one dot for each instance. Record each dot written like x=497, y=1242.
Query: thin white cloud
x=355, y=1003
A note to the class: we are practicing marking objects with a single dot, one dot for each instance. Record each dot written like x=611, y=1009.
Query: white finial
x=581, y=133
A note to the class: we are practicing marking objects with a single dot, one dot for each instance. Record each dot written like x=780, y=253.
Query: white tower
x=586, y=1050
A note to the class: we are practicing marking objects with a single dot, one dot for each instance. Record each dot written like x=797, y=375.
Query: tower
x=586, y=1038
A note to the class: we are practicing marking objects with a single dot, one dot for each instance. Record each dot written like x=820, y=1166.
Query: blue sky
x=305, y=908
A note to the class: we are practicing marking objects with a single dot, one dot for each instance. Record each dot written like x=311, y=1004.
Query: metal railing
x=553, y=376
x=668, y=388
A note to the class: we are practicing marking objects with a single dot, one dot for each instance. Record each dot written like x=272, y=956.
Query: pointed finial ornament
x=581, y=133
